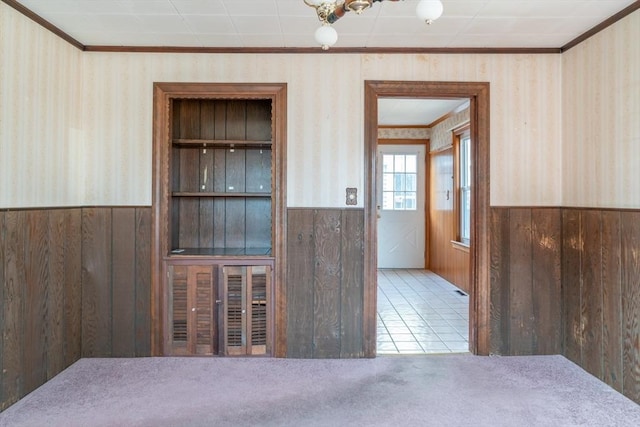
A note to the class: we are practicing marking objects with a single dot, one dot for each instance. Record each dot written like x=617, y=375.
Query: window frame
x=459, y=134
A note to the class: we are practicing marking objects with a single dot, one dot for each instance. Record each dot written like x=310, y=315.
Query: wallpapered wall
x=601, y=111
x=41, y=149
x=76, y=127
x=441, y=134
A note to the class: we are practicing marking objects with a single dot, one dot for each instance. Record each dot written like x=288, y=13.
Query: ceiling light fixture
x=329, y=11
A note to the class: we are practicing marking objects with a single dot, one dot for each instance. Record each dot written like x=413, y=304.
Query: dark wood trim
x=43, y=22
x=164, y=93
x=478, y=92
x=603, y=25
x=317, y=50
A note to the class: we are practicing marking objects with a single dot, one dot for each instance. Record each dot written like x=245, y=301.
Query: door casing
x=478, y=94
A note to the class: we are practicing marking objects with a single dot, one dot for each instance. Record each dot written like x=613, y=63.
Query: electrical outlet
x=352, y=196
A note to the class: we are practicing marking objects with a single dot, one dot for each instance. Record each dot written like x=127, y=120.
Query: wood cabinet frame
x=163, y=94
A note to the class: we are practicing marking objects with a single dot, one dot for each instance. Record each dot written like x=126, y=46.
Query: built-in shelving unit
x=219, y=197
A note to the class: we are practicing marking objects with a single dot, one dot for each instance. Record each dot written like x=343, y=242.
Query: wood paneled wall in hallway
x=74, y=282
x=601, y=295
x=325, y=283
x=526, y=308
x=40, y=297
x=448, y=261
x=116, y=282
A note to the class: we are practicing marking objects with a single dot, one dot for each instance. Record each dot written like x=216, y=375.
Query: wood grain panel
x=522, y=333
x=123, y=273
x=36, y=295
x=300, y=273
x=546, y=242
x=572, y=249
x=73, y=286
x=96, y=282
x=205, y=226
x=258, y=171
x=326, y=289
x=57, y=279
x=259, y=120
x=13, y=332
x=220, y=119
x=2, y=301
x=258, y=224
x=500, y=293
x=236, y=120
x=207, y=119
x=630, y=259
x=352, y=263
x=591, y=307
x=143, y=283
x=235, y=229
x=612, y=332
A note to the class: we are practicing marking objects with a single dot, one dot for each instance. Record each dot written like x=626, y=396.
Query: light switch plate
x=352, y=196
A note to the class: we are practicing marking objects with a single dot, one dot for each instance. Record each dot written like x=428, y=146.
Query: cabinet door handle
x=193, y=309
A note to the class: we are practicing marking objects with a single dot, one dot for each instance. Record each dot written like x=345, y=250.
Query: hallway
x=420, y=312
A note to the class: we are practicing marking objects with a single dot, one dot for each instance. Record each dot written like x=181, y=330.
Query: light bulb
x=429, y=10
x=326, y=36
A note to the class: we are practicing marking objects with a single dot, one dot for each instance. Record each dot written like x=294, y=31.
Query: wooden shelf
x=210, y=194
x=220, y=143
x=221, y=251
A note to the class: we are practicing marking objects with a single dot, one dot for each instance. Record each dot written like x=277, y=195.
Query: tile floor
x=420, y=312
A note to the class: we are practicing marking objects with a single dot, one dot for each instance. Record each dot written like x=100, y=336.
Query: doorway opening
x=478, y=295
x=423, y=278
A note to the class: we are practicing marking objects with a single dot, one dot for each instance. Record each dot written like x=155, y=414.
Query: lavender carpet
x=452, y=390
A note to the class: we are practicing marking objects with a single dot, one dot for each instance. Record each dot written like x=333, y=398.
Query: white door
x=401, y=201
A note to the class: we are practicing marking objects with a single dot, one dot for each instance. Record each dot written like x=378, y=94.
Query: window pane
x=398, y=202
x=411, y=182
x=387, y=182
x=411, y=163
x=399, y=163
x=387, y=163
x=399, y=181
x=410, y=201
x=387, y=200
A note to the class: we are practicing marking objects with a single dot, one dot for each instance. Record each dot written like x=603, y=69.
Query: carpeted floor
x=460, y=390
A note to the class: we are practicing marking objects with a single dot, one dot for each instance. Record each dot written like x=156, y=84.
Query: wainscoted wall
x=526, y=306
x=116, y=282
x=567, y=281
x=40, y=297
x=325, y=283
x=601, y=295
x=74, y=282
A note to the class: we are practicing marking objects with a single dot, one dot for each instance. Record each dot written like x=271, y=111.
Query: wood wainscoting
x=116, y=282
x=325, y=283
x=74, y=282
x=567, y=281
x=526, y=308
x=601, y=295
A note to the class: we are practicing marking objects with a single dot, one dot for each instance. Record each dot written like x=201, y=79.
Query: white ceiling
x=407, y=112
x=290, y=23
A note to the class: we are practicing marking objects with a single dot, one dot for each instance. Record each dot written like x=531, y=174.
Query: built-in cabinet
x=217, y=309
x=219, y=195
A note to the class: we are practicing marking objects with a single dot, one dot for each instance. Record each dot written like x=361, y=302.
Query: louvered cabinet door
x=192, y=310
x=246, y=310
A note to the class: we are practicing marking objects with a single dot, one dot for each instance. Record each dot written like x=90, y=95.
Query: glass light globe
x=429, y=10
x=326, y=36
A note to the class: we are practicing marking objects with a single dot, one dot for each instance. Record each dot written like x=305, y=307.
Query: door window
x=399, y=182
